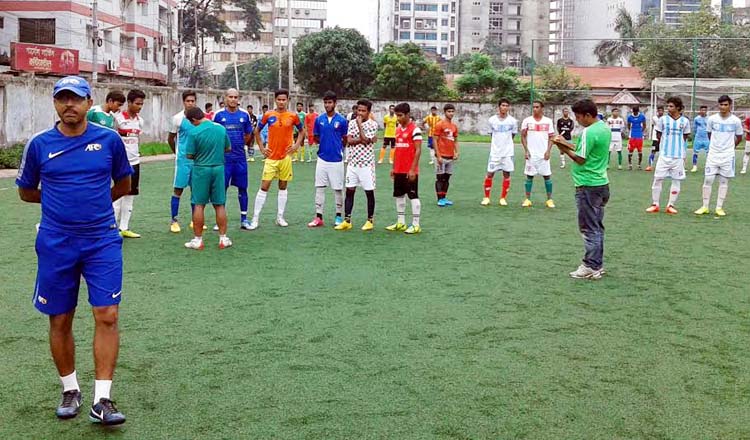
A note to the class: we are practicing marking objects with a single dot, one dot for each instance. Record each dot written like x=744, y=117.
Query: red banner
x=127, y=66
x=46, y=59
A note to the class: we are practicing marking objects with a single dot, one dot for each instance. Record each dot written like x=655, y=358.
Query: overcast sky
x=357, y=14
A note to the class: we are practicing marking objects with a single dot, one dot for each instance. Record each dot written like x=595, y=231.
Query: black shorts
x=135, y=180
x=402, y=186
x=389, y=142
x=655, y=146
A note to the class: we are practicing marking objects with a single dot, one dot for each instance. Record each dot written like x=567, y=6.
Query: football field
x=471, y=330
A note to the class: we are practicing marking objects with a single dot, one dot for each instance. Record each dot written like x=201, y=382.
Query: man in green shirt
x=104, y=114
x=591, y=158
x=206, y=145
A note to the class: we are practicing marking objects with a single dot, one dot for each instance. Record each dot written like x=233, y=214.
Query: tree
x=334, y=59
x=456, y=64
x=557, y=85
x=479, y=75
x=403, y=72
x=611, y=52
x=259, y=74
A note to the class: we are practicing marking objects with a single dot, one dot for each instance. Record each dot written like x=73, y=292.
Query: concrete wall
x=26, y=106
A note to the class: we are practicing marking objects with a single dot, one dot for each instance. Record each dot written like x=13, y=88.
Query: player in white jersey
x=503, y=127
x=536, y=134
x=362, y=134
x=654, y=138
x=725, y=134
x=130, y=125
x=616, y=126
x=672, y=131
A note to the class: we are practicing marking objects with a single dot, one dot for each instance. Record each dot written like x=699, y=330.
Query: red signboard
x=45, y=59
x=127, y=66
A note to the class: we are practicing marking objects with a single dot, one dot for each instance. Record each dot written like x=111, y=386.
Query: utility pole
x=289, y=43
x=195, y=17
x=95, y=41
x=170, y=54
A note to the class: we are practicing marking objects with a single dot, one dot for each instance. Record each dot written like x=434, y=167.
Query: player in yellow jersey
x=428, y=124
x=389, y=139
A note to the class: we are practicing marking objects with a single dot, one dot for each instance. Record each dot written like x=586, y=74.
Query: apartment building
x=57, y=37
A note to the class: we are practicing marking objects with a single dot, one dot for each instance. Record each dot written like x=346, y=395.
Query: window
x=404, y=35
x=144, y=9
x=405, y=23
x=2, y=22
x=36, y=30
x=444, y=22
x=496, y=23
x=443, y=51
x=144, y=54
x=425, y=7
x=444, y=36
x=405, y=6
x=430, y=36
x=444, y=8
x=496, y=8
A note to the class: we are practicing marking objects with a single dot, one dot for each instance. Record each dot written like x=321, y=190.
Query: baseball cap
x=75, y=84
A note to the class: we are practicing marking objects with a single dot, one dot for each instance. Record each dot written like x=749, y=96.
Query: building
x=134, y=37
x=308, y=16
x=449, y=28
x=672, y=11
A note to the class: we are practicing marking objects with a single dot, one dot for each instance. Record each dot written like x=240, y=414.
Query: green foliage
x=334, y=59
x=403, y=72
x=260, y=74
x=197, y=77
x=456, y=64
x=210, y=23
x=448, y=94
x=11, y=157
x=557, y=85
x=479, y=75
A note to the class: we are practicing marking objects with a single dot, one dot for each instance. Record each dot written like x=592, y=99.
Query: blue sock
x=695, y=159
x=175, y=206
x=651, y=159
x=548, y=187
x=242, y=196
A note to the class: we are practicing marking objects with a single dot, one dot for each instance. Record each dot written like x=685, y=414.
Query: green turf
x=471, y=330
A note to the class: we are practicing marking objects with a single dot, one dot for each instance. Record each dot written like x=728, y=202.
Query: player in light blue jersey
x=672, y=131
x=240, y=130
x=76, y=163
x=700, y=135
x=183, y=167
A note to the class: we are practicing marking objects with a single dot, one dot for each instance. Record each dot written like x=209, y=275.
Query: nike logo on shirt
x=115, y=295
x=54, y=155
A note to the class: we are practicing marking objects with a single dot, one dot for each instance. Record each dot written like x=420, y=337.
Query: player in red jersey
x=405, y=171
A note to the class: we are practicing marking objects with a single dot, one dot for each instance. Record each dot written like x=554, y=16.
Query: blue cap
x=75, y=84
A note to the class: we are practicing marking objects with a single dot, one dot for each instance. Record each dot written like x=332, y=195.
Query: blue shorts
x=183, y=171
x=235, y=174
x=429, y=142
x=63, y=259
x=701, y=145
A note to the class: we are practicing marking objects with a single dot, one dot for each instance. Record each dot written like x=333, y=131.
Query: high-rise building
x=452, y=27
x=308, y=16
x=672, y=11
x=133, y=36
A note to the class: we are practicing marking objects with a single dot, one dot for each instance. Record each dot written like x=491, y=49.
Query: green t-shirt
x=207, y=142
x=593, y=145
x=98, y=116
x=301, y=116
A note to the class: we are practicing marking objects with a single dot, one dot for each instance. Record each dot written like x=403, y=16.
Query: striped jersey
x=673, y=131
x=130, y=127
x=616, y=126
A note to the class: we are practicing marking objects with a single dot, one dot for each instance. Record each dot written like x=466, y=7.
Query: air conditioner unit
x=111, y=66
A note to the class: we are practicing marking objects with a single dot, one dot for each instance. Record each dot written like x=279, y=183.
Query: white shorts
x=723, y=168
x=670, y=167
x=329, y=174
x=615, y=146
x=537, y=167
x=361, y=176
x=501, y=164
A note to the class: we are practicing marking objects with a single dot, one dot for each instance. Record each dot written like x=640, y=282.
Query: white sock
x=562, y=159
x=401, y=209
x=117, y=207
x=723, y=189
x=222, y=237
x=320, y=200
x=416, y=208
x=745, y=160
x=432, y=154
x=656, y=191
x=283, y=194
x=707, y=184
x=260, y=200
x=70, y=382
x=199, y=238
x=101, y=390
x=674, y=192
x=127, y=211
x=339, y=194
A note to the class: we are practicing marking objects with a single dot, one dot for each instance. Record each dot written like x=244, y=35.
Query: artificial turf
x=471, y=330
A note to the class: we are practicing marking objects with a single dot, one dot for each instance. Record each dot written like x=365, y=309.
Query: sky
x=357, y=14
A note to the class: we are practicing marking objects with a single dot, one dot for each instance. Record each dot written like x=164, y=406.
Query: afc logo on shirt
x=93, y=147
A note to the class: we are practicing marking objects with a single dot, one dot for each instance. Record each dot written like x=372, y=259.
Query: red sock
x=487, y=186
x=506, y=186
